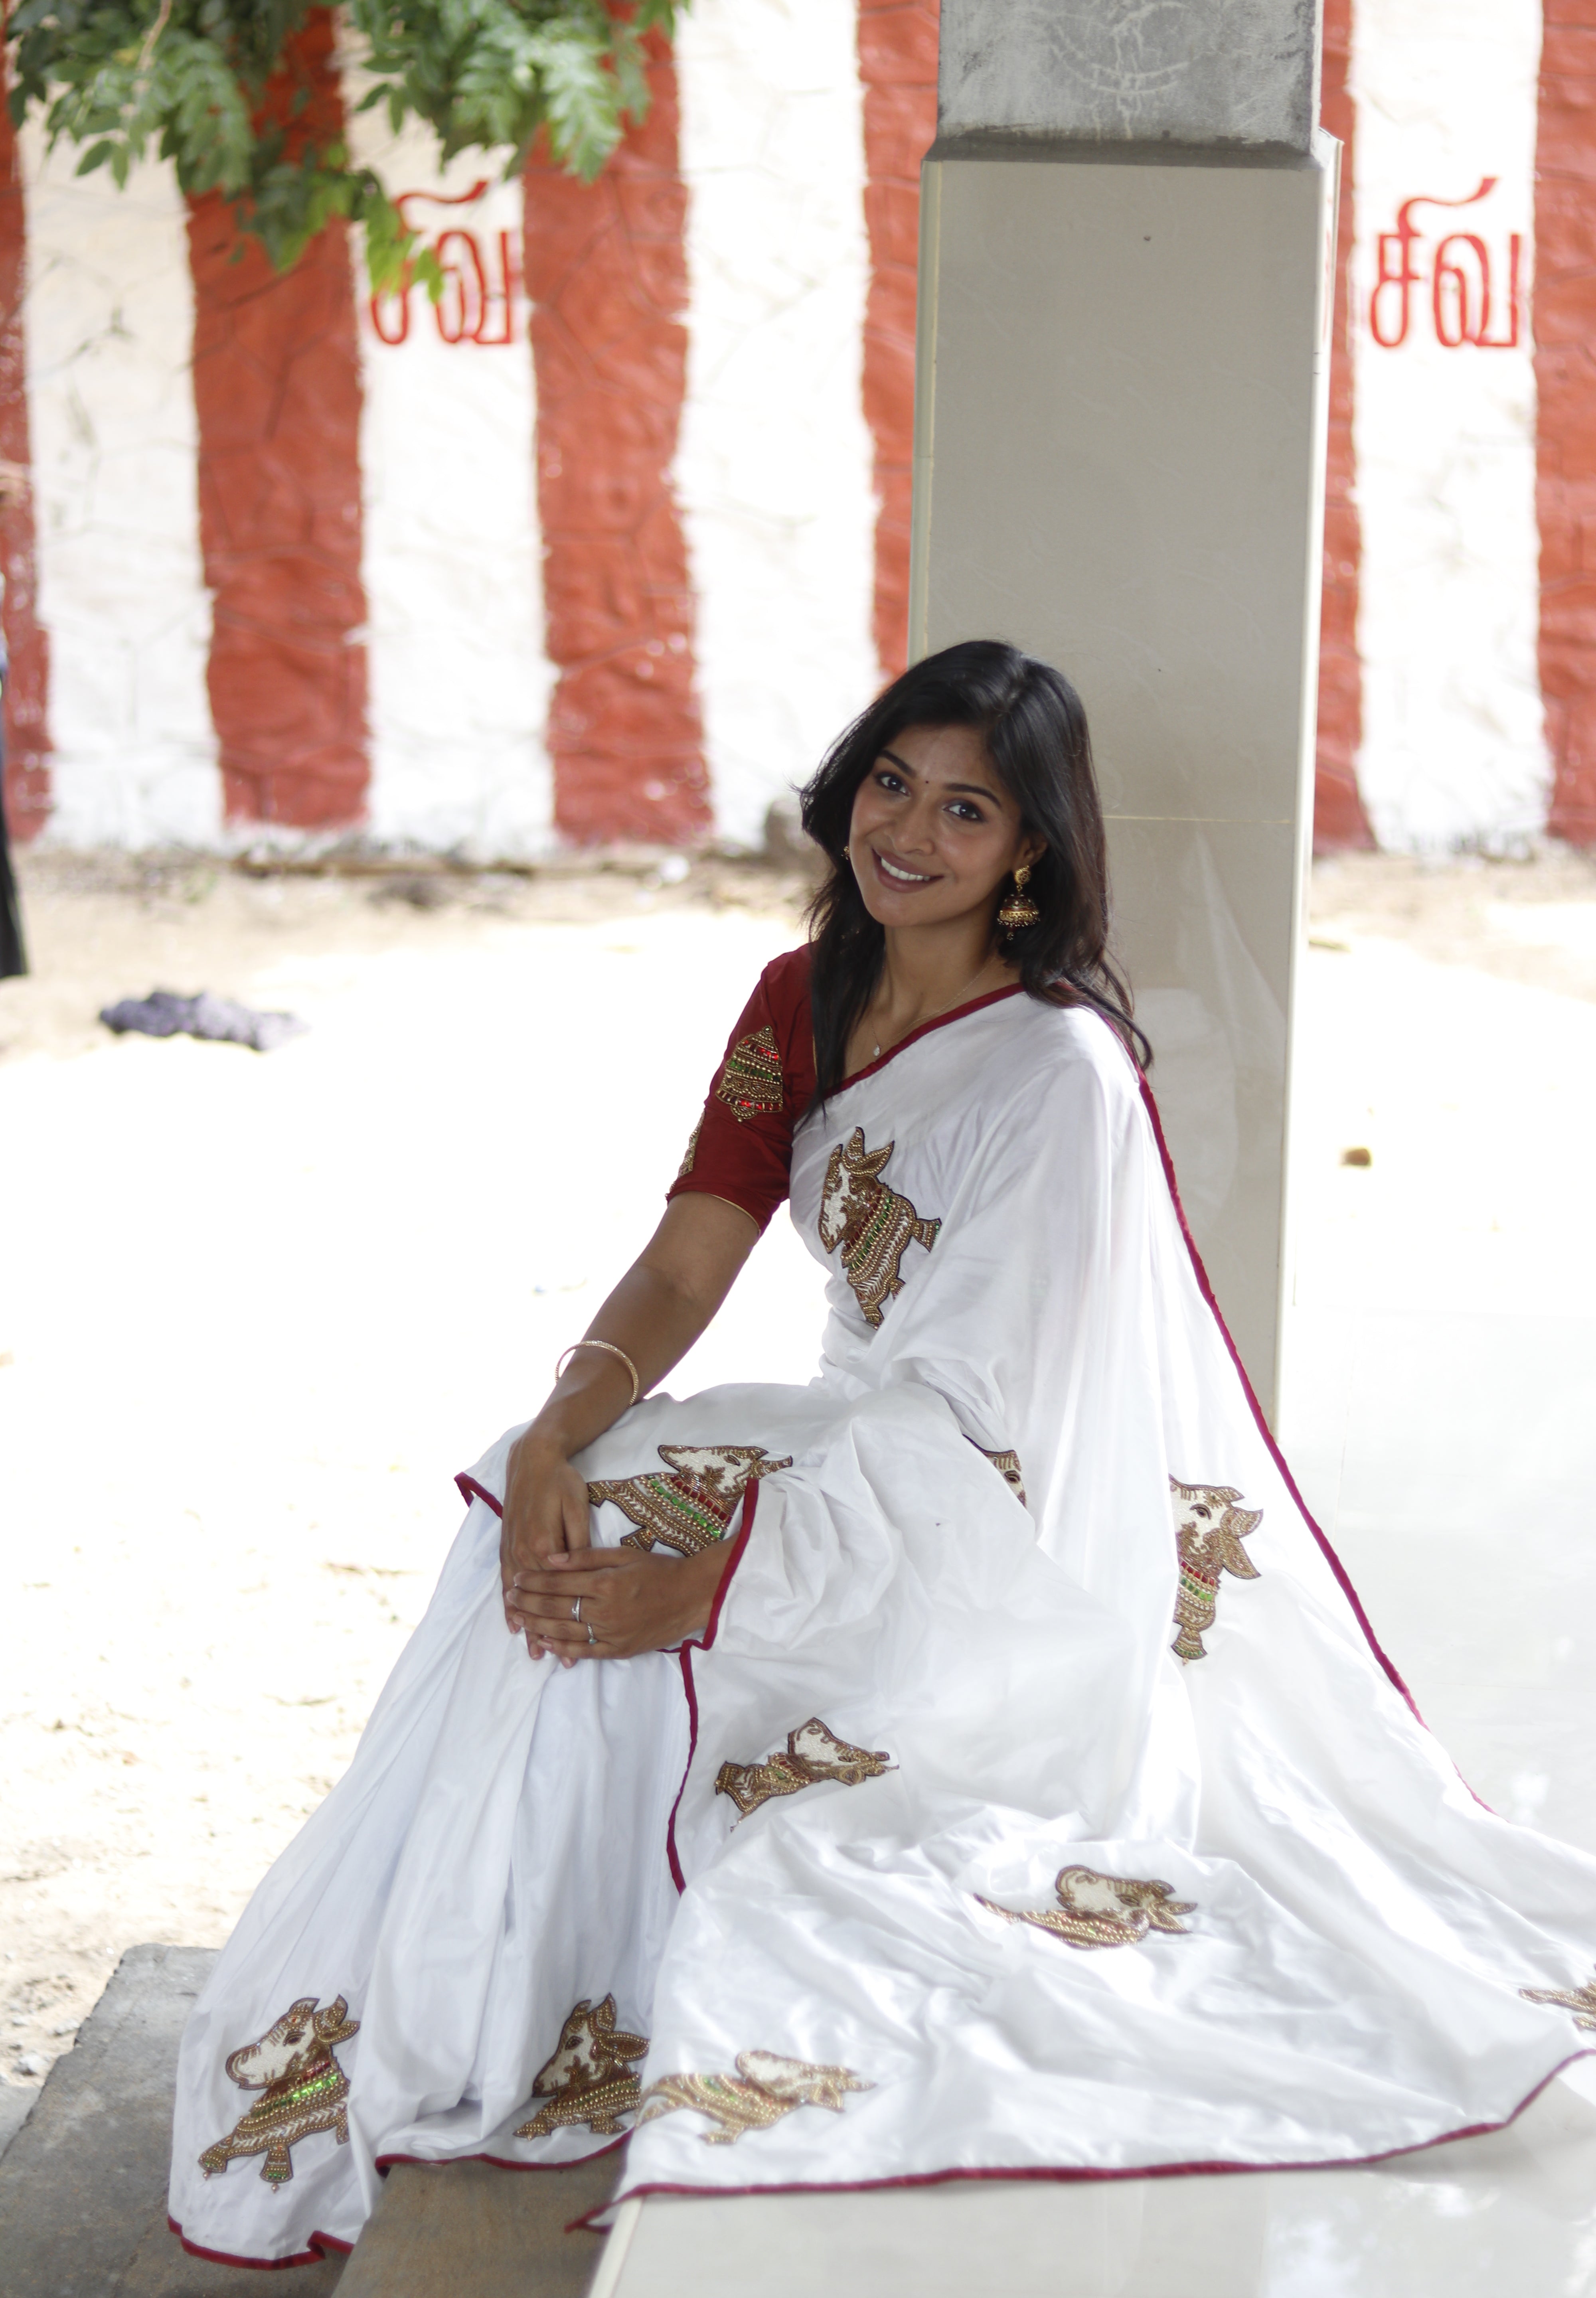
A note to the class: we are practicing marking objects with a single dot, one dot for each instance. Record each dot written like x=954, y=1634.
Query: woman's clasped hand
x=575, y=1601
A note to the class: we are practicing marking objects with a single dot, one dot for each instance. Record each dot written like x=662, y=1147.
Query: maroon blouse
x=741, y=1146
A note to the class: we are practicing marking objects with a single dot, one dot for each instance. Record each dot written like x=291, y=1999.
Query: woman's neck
x=927, y=970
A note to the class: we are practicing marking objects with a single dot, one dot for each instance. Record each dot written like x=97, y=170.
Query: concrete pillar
x=1126, y=242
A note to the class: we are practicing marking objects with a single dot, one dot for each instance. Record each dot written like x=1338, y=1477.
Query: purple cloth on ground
x=164, y=1015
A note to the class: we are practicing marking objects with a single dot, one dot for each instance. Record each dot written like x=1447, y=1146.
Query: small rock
x=1360, y=1157
x=31, y=2066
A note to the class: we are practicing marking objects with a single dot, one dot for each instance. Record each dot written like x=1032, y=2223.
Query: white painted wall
x=452, y=557
x=774, y=470
x=1454, y=750
x=121, y=592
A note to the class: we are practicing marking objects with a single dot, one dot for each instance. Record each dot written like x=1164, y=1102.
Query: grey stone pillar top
x=1223, y=72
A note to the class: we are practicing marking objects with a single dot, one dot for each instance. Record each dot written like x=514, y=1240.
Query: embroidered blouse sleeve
x=741, y=1146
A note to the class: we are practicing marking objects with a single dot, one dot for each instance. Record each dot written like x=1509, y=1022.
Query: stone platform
x=83, y=2185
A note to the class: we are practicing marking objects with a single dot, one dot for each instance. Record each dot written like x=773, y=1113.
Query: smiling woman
x=972, y=766
x=979, y=1744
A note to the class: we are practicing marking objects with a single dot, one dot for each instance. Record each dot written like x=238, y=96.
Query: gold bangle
x=611, y=1349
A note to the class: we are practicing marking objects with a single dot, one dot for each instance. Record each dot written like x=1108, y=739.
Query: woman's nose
x=917, y=829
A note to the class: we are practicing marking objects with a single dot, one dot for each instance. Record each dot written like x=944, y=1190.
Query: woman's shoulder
x=785, y=982
x=1075, y=1042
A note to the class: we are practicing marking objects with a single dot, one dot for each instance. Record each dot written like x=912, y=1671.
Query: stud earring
x=1019, y=910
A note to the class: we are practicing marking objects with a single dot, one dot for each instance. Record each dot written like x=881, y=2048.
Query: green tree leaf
x=201, y=83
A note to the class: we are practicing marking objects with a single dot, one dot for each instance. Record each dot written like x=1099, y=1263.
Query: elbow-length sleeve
x=741, y=1146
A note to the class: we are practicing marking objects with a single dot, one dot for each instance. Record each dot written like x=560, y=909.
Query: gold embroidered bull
x=813, y=1752
x=764, y=2088
x=691, y=1506
x=1097, y=1910
x=874, y=1225
x=304, y=2089
x=1580, y=2000
x=589, y=2079
x=1209, y=1532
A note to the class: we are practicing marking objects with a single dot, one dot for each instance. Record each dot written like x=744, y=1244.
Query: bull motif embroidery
x=1007, y=1464
x=764, y=2088
x=1096, y=1910
x=1580, y=2000
x=692, y=1504
x=813, y=1752
x=589, y=2079
x=305, y=2088
x=750, y=1085
x=1209, y=1532
x=874, y=1225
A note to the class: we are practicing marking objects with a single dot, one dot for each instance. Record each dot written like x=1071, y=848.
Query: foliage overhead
x=205, y=83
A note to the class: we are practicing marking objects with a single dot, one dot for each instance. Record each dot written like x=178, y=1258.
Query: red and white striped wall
x=608, y=544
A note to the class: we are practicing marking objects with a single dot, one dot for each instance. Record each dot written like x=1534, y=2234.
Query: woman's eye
x=889, y=782
x=966, y=811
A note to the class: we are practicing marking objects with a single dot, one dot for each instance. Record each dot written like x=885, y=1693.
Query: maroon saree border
x=1343, y=1578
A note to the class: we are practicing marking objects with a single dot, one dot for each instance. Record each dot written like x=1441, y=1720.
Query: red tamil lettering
x=1449, y=292
x=504, y=294
x=1404, y=279
x=403, y=300
x=463, y=305
x=1486, y=341
x=1461, y=292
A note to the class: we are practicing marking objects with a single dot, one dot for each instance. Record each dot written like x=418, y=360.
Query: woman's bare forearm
x=664, y=1303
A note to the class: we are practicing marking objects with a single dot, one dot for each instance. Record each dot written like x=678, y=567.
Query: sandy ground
x=257, y=1310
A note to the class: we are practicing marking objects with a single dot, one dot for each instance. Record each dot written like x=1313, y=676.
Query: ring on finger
x=591, y=1638
x=576, y=1610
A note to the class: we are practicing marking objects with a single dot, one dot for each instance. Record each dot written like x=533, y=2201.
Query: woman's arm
x=634, y=1602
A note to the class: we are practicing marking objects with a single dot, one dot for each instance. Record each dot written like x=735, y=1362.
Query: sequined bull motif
x=303, y=2088
x=750, y=1085
x=874, y=1225
x=1096, y=1910
x=1580, y=2000
x=590, y=2078
x=764, y=2088
x=1208, y=1530
x=691, y=1506
x=813, y=1752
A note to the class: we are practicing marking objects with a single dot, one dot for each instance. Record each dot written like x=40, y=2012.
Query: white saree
x=1075, y=1830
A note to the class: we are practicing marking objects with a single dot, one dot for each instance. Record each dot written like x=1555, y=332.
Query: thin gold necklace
x=875, y=1054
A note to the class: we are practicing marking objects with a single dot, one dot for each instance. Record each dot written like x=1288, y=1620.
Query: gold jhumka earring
x=1019, y=910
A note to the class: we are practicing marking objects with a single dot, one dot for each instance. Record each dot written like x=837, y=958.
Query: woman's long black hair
x=1030, y=720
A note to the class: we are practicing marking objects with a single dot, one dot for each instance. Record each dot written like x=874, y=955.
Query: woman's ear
x=1031, y=849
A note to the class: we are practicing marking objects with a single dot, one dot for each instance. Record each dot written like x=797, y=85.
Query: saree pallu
x=1037, y=1801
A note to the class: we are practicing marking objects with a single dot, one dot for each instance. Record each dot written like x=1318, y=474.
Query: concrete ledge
x=83, y=2184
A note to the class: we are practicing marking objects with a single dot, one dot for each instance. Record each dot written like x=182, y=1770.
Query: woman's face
x=934, y=834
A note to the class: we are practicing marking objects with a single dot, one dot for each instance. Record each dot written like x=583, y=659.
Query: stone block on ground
x=15, y=2100
x=83, y=2182
x=439, y=2231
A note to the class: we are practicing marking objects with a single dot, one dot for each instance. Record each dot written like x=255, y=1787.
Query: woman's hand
x=631, y=1602
x=545, y=1514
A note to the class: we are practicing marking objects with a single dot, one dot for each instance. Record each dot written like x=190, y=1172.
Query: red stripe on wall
x=1339, y=821
x=277, y=387
x=898, y=65
x=606, y=271
x=27, y=687
x=1566, y=426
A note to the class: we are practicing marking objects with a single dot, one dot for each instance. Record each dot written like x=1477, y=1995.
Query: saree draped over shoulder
x=1037, y=1801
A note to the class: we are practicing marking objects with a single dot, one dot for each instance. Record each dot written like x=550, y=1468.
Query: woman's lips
x=899, y=873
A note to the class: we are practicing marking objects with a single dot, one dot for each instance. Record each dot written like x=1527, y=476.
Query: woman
x=979, y=1746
